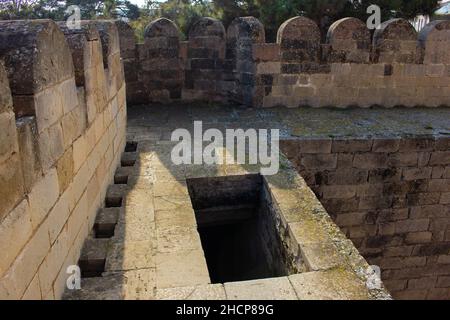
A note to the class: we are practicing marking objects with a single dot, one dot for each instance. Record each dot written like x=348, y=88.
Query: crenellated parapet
x=63, y=118
x=352, y=67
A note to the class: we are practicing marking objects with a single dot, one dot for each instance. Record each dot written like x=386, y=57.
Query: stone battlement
x=63, y=119
x=394, y=67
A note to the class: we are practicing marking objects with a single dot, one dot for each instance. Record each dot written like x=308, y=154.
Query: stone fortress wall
x=391, y=197
x=63, y=121
x=394, y=67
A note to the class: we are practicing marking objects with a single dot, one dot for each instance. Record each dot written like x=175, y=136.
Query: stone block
x=268, y=68
x=261, y=289
x=419, y=199
x=341, y=191
x=43, y=196
x=418, y=237
x=58, y=216
x=80, y=153
x=352, y=145
x=73, y=124
x=29, y=151
x=33, y=292
x=314, y=145
x=386, y=145
x=445, y=198
x=328, y=285
x=11, y=184
x=51, y=146
x=48, y=108
x=319, y=161
x=207, y=292
x=416, y=144
x=440, y=158
x=403, y=159
x=177, y=238
x=64, y=168
x=411, y=174
x=26, y=264
x=15, y=230
x=370, y=160
x=182, y=268
x=346, y=177
x=68, y=93
x=439, y=185
x=407, y=226
x=8, y=137
x=266, y=52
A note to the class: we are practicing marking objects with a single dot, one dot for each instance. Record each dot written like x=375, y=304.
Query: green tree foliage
x=55, y=9
x=184, y=13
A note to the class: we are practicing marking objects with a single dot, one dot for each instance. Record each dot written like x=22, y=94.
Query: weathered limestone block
x=434, y=41
x=11, y=178
x=8, y=136
x=36, y=56
x=11, y=183
x=51, y=146
x=299, y=40
x=350, y=40
x=15, y=230
x=395, y=41
x=29, y=151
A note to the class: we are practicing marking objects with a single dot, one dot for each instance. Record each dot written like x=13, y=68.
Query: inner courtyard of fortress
x=86, y=176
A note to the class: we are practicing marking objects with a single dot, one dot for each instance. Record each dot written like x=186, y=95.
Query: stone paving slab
x=261, y=289
x=207, y=292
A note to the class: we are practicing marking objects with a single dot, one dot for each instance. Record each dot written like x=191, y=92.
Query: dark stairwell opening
x=237, y=228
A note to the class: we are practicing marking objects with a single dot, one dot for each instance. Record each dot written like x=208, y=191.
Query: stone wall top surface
x=36, y=54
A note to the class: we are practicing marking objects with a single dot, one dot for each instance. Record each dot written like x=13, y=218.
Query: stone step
x=105, y=222
x=98, y=288
x=128, y=159
x=122, y=174
x=115, y=194
x=93, y=257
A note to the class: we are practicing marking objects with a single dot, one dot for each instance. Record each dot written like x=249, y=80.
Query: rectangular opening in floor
x=237, y=228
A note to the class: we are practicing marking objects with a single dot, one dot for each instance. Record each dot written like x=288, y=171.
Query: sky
x=138, y=2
